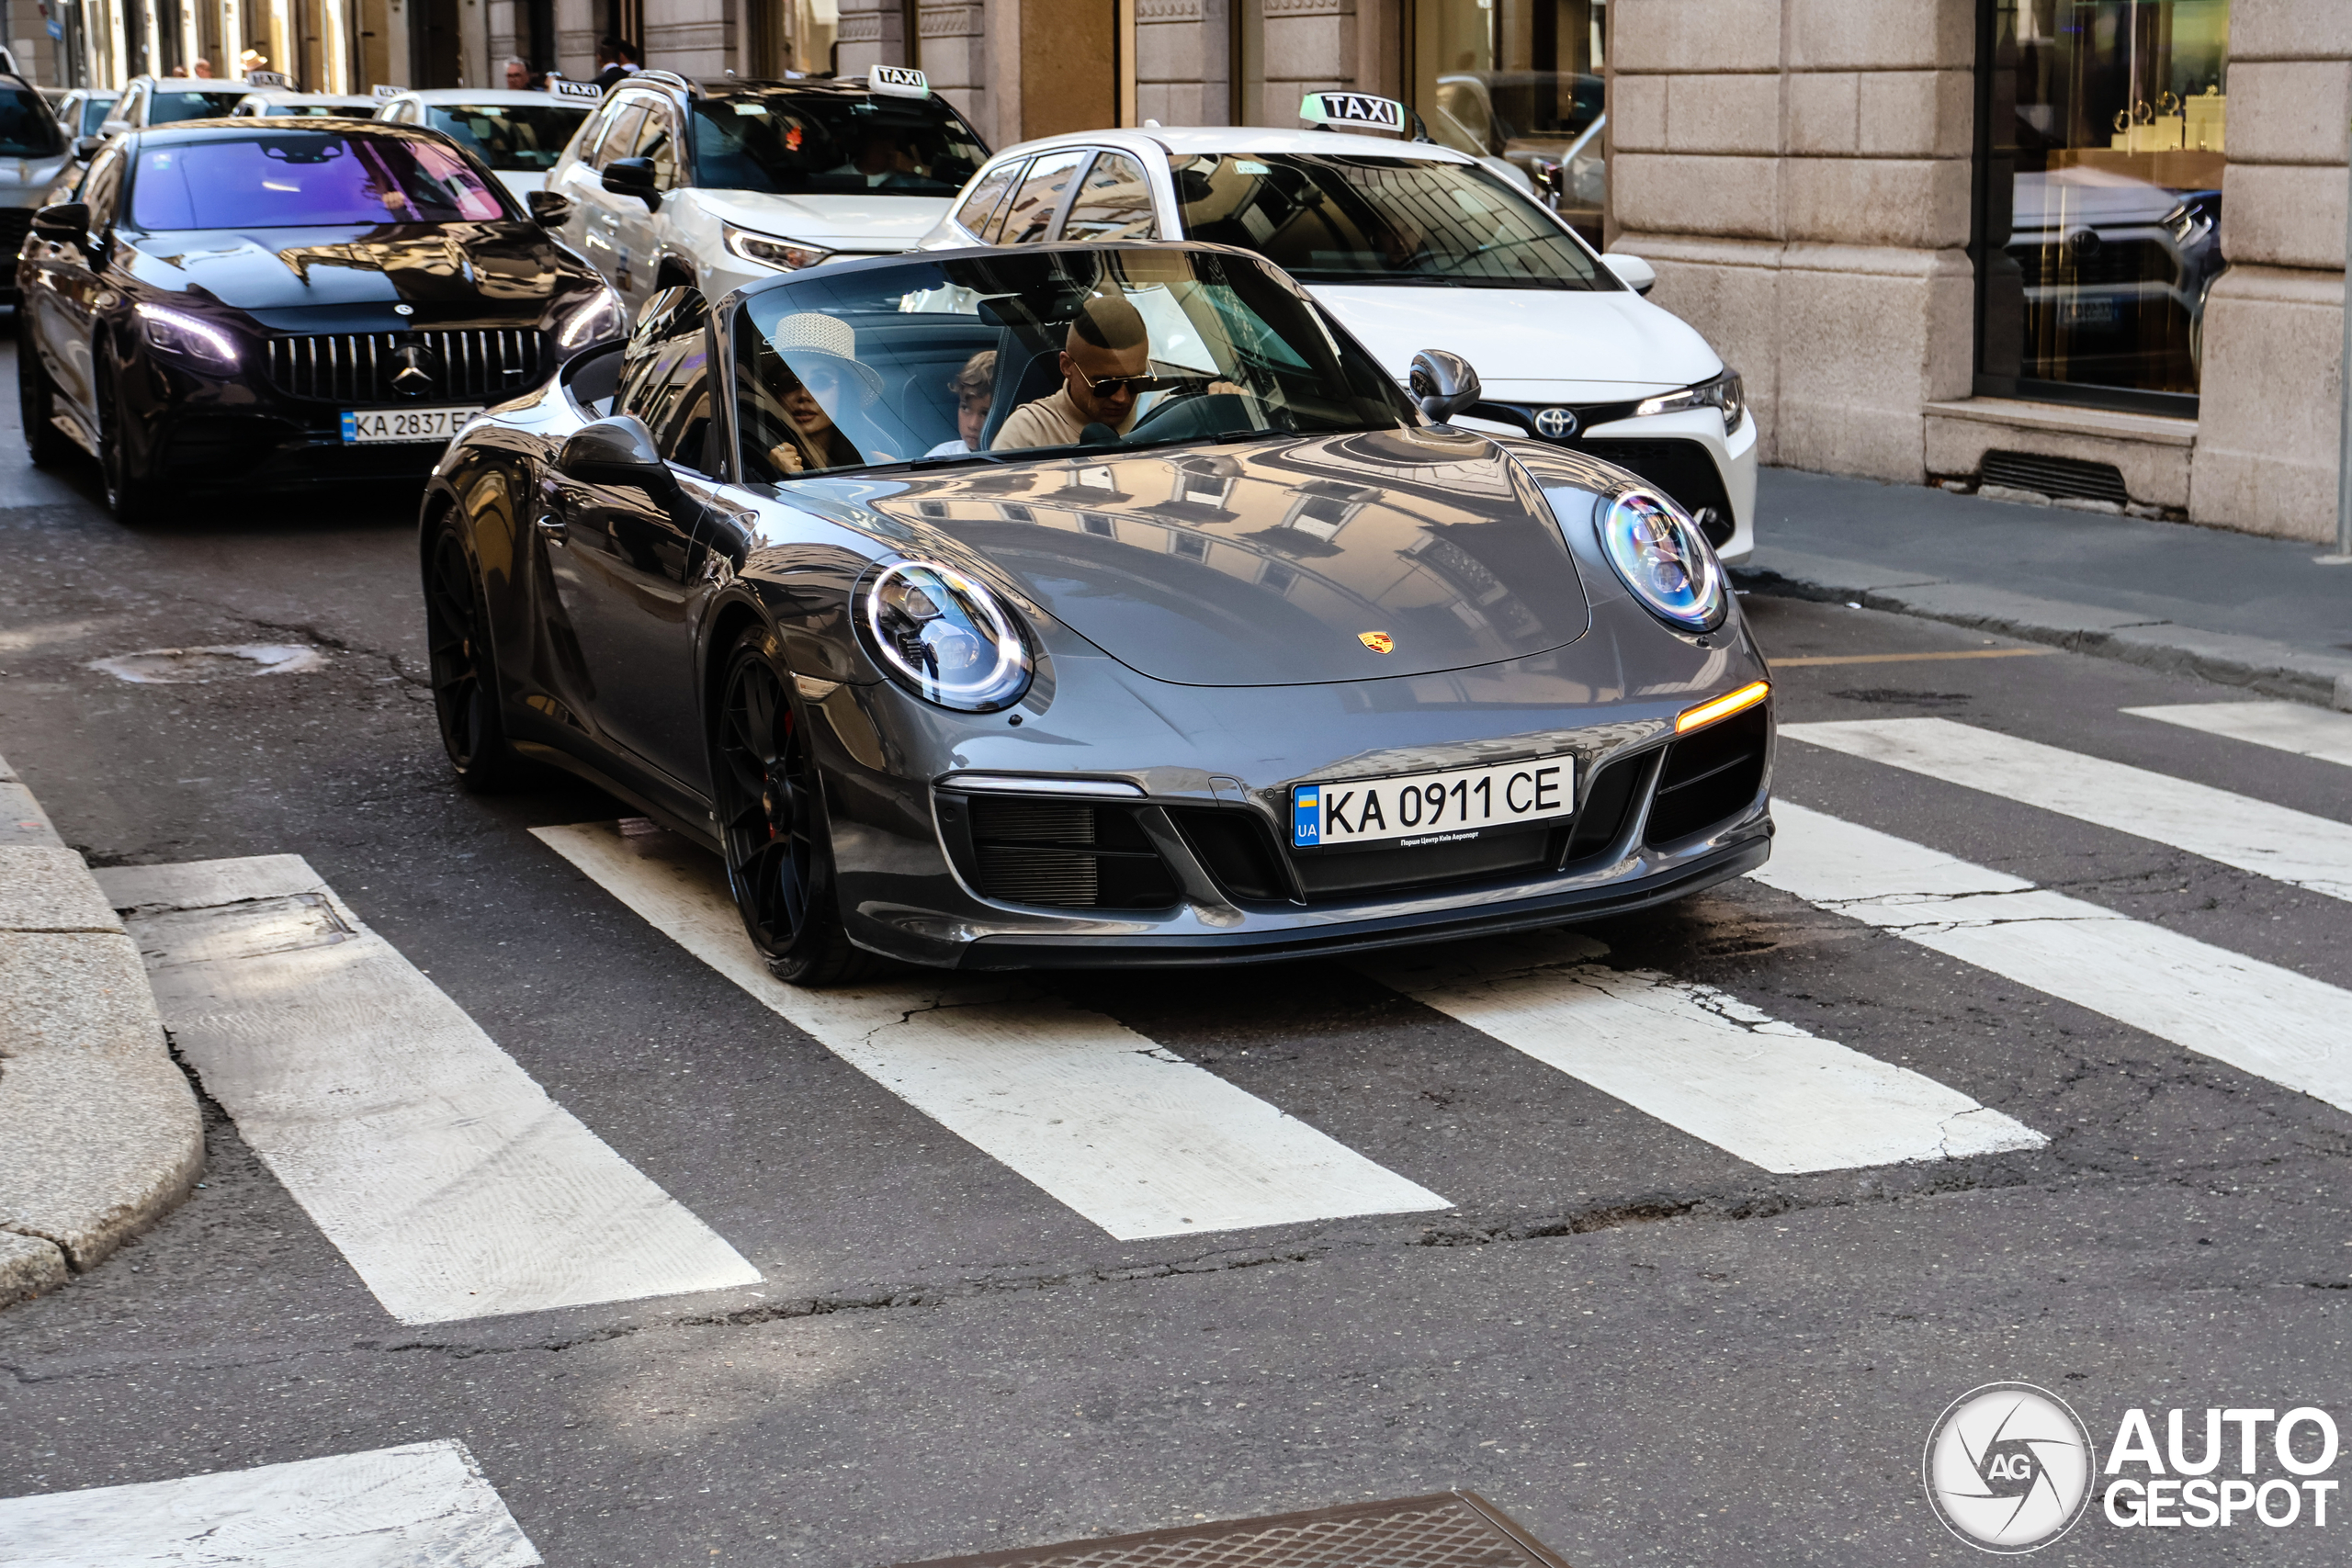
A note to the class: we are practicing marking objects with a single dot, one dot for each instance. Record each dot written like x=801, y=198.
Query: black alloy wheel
x=773, y=824
x=130, y=490
x=465, y=681
x=37, y=399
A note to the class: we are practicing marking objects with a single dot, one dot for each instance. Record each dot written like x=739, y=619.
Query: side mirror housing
x=549, y=209
x=633, y=176
x=113, y=127
x=63, y=223
x=618, y=451
x=1443, y=383
x=87, y=148
x=1632, y=271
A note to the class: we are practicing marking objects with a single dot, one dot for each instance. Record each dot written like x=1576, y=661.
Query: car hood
x=1283, y=563
x=1538, y=343
x=441, y=268
x=878, y=223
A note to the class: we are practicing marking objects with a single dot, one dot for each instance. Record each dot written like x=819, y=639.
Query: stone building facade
x=1837, y=193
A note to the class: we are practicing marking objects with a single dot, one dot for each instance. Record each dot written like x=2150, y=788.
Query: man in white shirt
x=1105, y=362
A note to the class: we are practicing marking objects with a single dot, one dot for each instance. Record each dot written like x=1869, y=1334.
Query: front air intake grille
x=1607, y=802
x=2074, y=479
x=1066, y=855
x=485, y=364
x=1710, y=776
x=1237, y=849
x=16, y=222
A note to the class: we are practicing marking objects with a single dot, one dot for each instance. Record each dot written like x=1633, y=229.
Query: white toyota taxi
x=520, y=135
x=1412, y=246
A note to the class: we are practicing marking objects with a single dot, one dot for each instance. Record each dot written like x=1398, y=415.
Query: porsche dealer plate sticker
x=368, y=427
x=1432, y=808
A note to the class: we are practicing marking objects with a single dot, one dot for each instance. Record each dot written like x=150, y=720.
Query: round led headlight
x=946, y=637
x=1664, y=559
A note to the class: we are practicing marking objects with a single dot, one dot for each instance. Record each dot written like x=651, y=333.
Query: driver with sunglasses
x=1105, y=362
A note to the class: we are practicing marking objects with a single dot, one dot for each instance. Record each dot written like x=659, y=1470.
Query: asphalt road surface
x=889, y=1281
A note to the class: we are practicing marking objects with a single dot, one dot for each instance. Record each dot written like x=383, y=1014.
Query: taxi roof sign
x=276, y=79
x=386, y=90
x=1355, y=111
x=563, y=87
x=898, y=82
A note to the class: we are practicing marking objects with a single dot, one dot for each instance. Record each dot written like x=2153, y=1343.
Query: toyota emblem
x=1555, y=425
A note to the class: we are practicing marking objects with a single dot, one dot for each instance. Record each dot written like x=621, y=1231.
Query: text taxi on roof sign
x=1356, y=111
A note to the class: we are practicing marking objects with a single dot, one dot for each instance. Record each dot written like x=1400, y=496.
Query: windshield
x=817, y=144
x=1327, y=219
x=168, y=104
x=311, y=111
x=1023, y=353
x=298, y=178
x=96, y=112
x=28, y=129
x=526, y=137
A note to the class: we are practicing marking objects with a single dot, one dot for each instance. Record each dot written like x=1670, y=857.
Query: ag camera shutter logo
x=2008, y=1468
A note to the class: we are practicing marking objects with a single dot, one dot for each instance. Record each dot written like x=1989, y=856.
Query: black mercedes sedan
x=251, y=304
x=1087, y=605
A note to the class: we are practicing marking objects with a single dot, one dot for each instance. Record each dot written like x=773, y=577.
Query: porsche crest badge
x=1379, y=642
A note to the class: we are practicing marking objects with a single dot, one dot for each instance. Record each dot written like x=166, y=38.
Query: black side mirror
x=87, y=148
x=1443, y=383
x=618, y=451
x=633, y=176
x=549, y=208
x=64, y=224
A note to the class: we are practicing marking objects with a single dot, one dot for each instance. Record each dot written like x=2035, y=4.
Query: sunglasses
x=1113, y=386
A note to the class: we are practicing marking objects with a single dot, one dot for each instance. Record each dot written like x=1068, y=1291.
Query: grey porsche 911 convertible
x=1087, y=605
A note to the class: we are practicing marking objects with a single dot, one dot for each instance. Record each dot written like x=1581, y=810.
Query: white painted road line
x=441, y=1169
x=1134, y=1137
x=424, y=1506
x=1699, y=1059
x=2286, y=727
x=2252, y=835
x=2258, y=1018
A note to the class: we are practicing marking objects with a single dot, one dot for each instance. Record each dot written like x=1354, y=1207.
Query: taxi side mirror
x=1632, y=271
x=633, y=176
x=1443, y=383
x=87, y=148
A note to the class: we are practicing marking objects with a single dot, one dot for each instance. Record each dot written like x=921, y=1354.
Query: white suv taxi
x=720, y=183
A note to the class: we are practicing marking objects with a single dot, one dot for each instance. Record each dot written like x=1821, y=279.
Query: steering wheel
x=1189, y=414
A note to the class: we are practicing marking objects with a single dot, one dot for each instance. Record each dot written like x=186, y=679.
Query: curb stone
x=99, y=1131
x=2274, y=669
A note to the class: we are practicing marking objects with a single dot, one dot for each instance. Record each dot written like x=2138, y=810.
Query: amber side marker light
x=1730, y=703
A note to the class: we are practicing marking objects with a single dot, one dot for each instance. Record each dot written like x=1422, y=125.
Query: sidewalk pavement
x=99, y=1131
x=2236, y=608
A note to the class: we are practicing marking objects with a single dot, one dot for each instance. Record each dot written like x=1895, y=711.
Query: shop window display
x=2099, y=197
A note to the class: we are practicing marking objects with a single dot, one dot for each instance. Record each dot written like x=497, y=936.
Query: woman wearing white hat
x=815, y=375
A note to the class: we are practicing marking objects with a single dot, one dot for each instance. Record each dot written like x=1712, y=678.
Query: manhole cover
x=1448, y=1529
x=189, y=666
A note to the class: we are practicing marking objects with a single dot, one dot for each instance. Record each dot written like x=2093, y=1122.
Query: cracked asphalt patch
x=1646, y=1350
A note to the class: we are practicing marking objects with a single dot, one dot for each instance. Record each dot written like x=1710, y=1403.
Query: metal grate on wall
x=2074, y=479
x=490, y=363
x=1451, y=1529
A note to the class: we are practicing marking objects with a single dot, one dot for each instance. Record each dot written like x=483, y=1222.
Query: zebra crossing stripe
x=425, y=1503
x=1140, y=1141
x=2286, y=727
x=1703, y=1061
x=2256, y=1017
x=440, y=1168
x=2294, y=847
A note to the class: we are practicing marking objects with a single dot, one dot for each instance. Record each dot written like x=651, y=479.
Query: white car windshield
x=826, y=143
x=1016, y=355
x=518, y=137
x=1330, y=219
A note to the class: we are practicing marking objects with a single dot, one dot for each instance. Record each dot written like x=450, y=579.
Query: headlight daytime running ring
x=1664, y=559
x=945, y=637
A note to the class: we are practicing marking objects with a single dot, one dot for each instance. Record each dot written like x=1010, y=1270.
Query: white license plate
x=368, y=427
x=1432, y=808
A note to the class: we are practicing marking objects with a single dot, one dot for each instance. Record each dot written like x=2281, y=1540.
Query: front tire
x=130, y=490
x=465, y=681
x=37, y=400
x=773, y=823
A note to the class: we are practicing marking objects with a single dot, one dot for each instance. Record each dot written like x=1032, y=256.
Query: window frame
x=1083, y=160
x=1078, y=188
x=1018, y=163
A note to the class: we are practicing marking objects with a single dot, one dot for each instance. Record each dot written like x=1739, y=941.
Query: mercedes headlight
x=1664, y=558
x=946, y=637
x=1723, y=392
x=594, y=317
x=786, y=255
x=189, y=337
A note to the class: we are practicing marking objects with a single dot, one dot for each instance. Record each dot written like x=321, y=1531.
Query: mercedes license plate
x=1432, y=808
x=366, y=427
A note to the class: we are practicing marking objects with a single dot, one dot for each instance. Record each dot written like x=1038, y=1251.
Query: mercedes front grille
x=475, y=364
